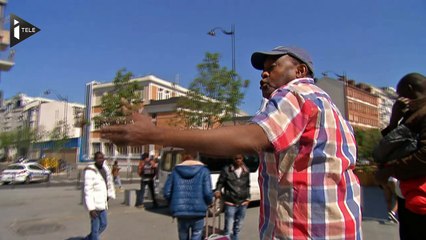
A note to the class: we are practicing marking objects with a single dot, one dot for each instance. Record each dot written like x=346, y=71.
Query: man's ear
x=301, y=71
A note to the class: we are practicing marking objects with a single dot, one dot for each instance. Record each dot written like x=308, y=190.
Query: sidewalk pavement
x=52, y=213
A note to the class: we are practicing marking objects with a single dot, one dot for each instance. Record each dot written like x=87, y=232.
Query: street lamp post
x=232, y=34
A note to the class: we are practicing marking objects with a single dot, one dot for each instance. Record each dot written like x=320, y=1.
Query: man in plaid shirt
x=307, y=151
x=308, y=188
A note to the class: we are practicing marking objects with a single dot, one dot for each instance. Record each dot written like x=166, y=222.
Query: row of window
x=362, y=96
x=362, y=108
x=363, y=120
x=110, y=149
x=163, y=94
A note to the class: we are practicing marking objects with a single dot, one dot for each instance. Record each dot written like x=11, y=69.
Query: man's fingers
x=129, y=108
x=126, y=110
x=137, y=117
x=138, y=107
x=124, y=102
x=113, y=133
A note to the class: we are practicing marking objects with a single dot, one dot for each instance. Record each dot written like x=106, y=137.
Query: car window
x=15, y=167
x=179, y=158
x=167, y=161
x=215, y=164
x=252, y=162
x=34, y=167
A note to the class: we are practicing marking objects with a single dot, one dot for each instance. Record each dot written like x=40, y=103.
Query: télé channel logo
x=20, y=30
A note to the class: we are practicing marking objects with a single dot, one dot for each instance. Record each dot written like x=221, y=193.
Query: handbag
x=398, y=143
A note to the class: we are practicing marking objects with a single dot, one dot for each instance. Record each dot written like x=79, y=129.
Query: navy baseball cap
x=258, y=58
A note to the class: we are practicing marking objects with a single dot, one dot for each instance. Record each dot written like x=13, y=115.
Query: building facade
x=362, y=105
x=153, y=89
x=41, y=115
x=6, y=63
x=160, y=100
x=357, y=102
x=387, y=97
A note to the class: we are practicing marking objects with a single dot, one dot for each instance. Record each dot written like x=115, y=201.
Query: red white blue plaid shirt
x=308, y=188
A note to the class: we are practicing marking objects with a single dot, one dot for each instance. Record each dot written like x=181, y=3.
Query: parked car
x=30, y=161
x=24, y=172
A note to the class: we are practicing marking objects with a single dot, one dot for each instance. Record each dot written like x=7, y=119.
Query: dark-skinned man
x=410, y=110
x=307, y=151
x=234, y=182
x=98, y=188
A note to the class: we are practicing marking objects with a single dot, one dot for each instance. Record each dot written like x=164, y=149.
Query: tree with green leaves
x=19, y=139
x=112, y=102
x=367, y=140
x=7, y=141
x=25, y=136
x=213, y=96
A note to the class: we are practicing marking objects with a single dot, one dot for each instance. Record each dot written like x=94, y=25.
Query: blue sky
x=376, y=42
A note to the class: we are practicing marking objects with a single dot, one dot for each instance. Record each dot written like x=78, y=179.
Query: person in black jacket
x=409, y=110
x=234, y=179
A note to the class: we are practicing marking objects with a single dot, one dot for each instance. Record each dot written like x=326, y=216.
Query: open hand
x=139, y=131
x=93, y=214
x=399, y=108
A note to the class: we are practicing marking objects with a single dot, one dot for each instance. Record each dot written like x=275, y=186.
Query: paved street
x=39, y=211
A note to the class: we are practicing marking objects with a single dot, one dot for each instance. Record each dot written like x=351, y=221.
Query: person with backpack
x=116, y=175
x=147, y=170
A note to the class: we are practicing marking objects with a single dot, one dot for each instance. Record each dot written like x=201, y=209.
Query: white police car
x=24, y=172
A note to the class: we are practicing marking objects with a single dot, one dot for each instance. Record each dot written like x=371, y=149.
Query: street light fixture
x=232, y=34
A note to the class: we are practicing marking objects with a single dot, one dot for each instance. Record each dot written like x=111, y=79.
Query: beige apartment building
x=153, y=91
x=41, y=115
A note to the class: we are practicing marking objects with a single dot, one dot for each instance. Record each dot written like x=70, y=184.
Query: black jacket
x=236, y=190
x=413, y=165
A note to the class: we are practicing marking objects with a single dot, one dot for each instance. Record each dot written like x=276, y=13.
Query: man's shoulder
x=227, y=168
x=90, y=167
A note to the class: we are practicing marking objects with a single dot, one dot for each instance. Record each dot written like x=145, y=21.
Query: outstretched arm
x=221, y=141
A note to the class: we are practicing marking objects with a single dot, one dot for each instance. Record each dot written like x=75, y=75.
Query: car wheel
x=218, y=209
x=47, y=179
x=27, y=180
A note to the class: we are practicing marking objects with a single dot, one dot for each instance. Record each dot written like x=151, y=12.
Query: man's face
x=238, y=160
x=277, y=71
x=99, y=159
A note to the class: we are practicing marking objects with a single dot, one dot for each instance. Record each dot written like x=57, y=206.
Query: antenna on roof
x=177, y=79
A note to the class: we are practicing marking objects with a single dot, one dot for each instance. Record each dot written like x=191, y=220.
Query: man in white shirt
x=98, y=188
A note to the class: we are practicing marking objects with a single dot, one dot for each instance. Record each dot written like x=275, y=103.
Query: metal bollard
x=78, y=180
